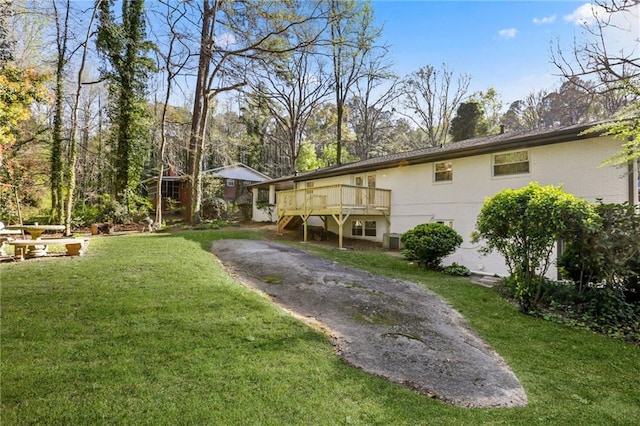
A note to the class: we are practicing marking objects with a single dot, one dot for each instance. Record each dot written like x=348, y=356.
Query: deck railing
x=333, y=198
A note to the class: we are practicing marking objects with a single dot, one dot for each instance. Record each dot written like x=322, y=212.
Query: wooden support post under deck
x=305, y=217
x=304, y=221
x=341, y=220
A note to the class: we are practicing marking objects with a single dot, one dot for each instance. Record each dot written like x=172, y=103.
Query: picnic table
x=36, y=230
x=33, y=249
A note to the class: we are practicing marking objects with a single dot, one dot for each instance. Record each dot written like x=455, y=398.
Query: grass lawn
x=149, y=329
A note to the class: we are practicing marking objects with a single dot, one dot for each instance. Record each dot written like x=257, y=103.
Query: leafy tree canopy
x=468, y=122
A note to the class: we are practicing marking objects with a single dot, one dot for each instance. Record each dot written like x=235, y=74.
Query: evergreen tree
x=468, y=122
x=124, y=47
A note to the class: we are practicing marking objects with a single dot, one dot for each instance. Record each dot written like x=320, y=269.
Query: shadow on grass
x=207, y=236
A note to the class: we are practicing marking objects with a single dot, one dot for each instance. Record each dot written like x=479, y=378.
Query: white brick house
x=381, y=198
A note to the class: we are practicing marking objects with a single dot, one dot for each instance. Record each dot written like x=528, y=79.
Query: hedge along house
x=380, y=198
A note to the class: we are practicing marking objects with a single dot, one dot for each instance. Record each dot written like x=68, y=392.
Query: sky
x=501, y=44
x=504, y=44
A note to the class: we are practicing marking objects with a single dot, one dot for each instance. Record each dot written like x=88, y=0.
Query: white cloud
x=508, y=33
x=545, y=20
x=620, y=30
x=586, y=14
x=225, y=40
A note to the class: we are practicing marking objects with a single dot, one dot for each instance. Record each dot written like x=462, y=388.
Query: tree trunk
x=57, y=146
x=73, y=150
x=339, y=114
x=199, y=117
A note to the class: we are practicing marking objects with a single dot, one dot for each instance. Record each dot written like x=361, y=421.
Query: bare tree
x=535, y=110
x=292, y=86
x=491, y=103
x=597, y=59
x=233, y=35
x=352, y=39
x=172, y=62
x=91, y=161
x=27, y=29
x=431, y=97
x=73, y=131
x=370, y=110
x=610, y=69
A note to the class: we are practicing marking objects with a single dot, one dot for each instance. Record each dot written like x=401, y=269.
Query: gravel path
x=387, y=327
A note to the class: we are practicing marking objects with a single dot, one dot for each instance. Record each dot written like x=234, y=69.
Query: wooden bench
x=35, y=248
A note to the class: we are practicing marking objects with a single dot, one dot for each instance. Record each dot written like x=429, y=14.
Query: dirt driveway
x=387, y=327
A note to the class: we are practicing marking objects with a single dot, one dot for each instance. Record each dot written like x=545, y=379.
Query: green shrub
x=173, y=206
x=429, y=243
x=608, y=253
x=457, y=270
x=84, y=215
x=599, y=308
x=105, y=208
x=524, y=225
x=214, y=208
x=110, y=210
x=210, y=224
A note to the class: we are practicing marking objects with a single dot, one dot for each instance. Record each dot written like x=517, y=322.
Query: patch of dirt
x=387, y=327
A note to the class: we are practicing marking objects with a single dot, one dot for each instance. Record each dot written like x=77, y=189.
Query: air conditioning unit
x=392, y=241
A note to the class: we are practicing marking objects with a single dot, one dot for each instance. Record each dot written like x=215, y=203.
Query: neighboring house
x=235, y=180
x=173, y=187
x=381, y=198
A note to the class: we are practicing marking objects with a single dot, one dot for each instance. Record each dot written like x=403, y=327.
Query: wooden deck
x=338, y=201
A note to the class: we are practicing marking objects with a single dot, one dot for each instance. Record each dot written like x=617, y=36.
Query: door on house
x=371, y=192
x=367, y=197
x=359, y=182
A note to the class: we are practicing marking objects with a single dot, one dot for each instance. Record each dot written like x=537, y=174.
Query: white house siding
x=382, y=227
x=264, y=214
x=335, y=180
x=416, y=198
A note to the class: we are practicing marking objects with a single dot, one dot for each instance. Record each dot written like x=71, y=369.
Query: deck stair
x=289, y=222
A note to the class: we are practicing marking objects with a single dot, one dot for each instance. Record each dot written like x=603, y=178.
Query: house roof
x=154, y=179
x=465, y=148
x=238, y=171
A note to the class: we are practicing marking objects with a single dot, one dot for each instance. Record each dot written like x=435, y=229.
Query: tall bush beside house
x=524, y=225
x=608, y=254
x=429, y=243
x=604, y=265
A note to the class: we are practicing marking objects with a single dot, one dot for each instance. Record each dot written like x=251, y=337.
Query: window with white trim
x=511, y=163
x=171, y=189
x=370, y=228
x=231, y=182
x=365, y=228
x=263, y=195
x=443, y=172
x=446, y=222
